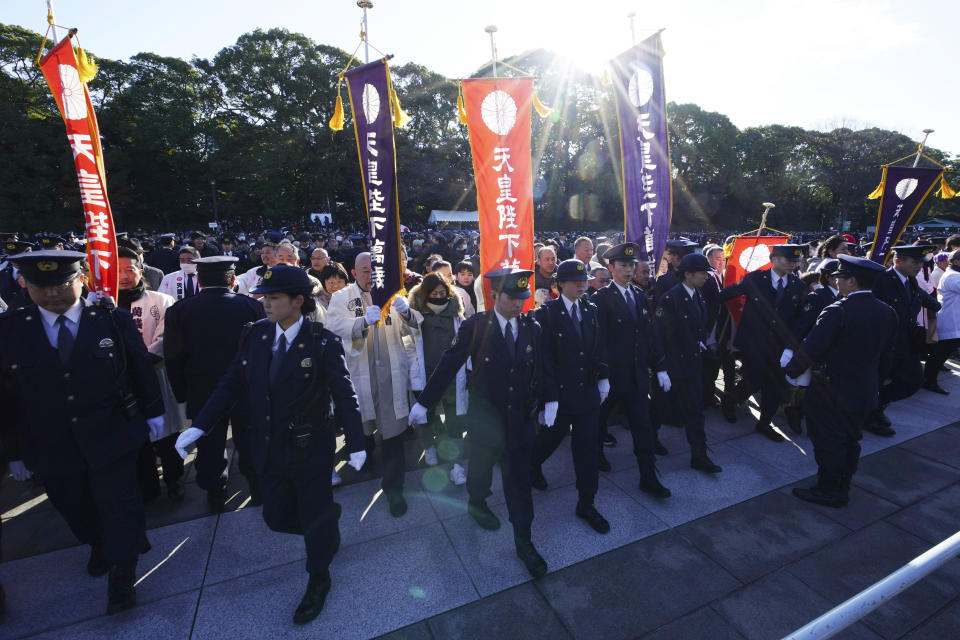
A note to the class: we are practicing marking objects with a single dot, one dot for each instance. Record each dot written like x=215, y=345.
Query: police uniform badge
x=47, y=265
x=106, y=343
x=306, y=363
x=580, y=267
x=522, y=283
x=628, y=251
x=268, y=275
x=11, y=246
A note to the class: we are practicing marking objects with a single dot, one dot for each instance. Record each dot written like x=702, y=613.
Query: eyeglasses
x=604, y=280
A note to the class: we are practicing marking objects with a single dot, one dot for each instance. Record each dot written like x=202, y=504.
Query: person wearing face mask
x=183, y=283
x=381, y=375
x=443, y=312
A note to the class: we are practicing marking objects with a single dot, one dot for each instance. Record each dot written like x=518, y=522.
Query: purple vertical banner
x=644, y=150
x=904, y=190
x=369, y=89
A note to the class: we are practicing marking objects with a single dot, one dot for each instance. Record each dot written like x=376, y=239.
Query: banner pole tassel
x=336, y=121
x=86, y=68
x=461, y=110
x=541, y=108
x=876, y=193
x=945, y=191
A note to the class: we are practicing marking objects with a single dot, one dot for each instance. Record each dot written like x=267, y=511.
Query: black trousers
x=835, y=435
x=170, y=462
x=210, y=463
x=394, y=463
x=240, y=428
x=939, y=353
x=765, y=375
x=303, y=505
x=635, y=408
x=446, y=435
x=103, y=506
x=514, y=462
x=906, y=376
x=687, y=397
x=585, y=447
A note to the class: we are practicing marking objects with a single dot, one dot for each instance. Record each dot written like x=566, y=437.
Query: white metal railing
x=849, y=612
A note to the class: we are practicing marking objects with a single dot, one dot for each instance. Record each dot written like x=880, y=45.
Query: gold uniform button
x=13, y=366
x=66, y=375
x=268, y=418
x=73, y=419
x=509, y=388
x=70, y=398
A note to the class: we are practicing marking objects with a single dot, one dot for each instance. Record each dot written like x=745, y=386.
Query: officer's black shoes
x=658, y=448
x=312, y=603
x=879, y=424
x=609, y=440
x=794, y=418
x=879, y=430
x=397, y=503
x=121, y=594
x=936, y=388
x=880, y=417
x=537, y=479
x=819, y=495
x=589, y=513
x=176, y=491
x=700, y=461
x=480, y=512
x=532, y=560
x=650, y=484
x=603, y=464
x=97, y=565
x=729, y=408
x=765, y=428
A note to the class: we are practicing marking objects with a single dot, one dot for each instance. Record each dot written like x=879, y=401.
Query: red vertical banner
x=69, y=89
x=498, y=119
x=746, y=254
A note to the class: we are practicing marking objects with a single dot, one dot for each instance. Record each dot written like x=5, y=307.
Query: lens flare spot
x=435, y=479
x=418, y=592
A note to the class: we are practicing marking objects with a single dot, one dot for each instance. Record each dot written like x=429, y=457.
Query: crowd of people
x=273, y=335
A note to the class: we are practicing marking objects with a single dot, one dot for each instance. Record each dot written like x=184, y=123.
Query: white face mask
x=189, y=268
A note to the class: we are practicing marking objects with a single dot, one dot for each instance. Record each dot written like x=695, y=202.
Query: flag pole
x=51, y=21
x=492, y=29
x=633, y=33
x=926, y=134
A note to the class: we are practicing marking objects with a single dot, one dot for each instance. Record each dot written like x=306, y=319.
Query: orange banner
x=498, y=118
x=746, y=254
x=60, y=68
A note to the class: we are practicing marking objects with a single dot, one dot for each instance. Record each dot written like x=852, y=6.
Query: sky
x=817, y=64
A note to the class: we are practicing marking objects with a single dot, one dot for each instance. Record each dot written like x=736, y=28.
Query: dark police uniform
x=845, y=347
x=679, y=325
x=71, y=424
x=164, y=258
x=201, y=338
x=905, y=369
x=10, y=290
x=575, y=352
x=505, y=394
x=671, y=278
x=632, y=355
x=765, y=330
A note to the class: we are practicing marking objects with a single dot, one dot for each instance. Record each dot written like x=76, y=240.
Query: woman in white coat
x=382, y=386
x=948, y=324
x=148, y=309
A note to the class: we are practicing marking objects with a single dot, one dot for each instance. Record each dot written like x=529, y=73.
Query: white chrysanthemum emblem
x=905, y=187
x=371, y=103
x=755, y=257
x=499, y=112
x=640, y=89
x=74, y=101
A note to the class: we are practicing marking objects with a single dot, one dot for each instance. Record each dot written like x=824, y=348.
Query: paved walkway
x=728, y=556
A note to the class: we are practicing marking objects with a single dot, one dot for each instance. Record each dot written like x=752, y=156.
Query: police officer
x=202, y=334
x=79, y=383
x=845, y=347
x=774, y=301
x=573, y=349
x=675, y=251
x=287, y=368
x=163, y=257
x=10, y=290
x=898, y=288
x=679, y=324
x=633, y=353
x=505, y=353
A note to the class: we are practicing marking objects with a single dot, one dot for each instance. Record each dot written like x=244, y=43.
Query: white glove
x=357, y=458
x=603, y=386
x=400, y=304
x=372, y=316
x=786, y=357
x=418, y=414
x=664, y=380
x=156, y=427
x=19, y=471
x=186, y=439
x=550, y=413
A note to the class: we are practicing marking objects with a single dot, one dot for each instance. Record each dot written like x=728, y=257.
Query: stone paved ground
x=729, y=556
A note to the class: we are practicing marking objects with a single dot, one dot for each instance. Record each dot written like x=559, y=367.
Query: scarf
x=126, y=297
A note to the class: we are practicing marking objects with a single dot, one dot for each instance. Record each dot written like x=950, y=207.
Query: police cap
x=48, y=267
x=197, y=234
x=626, y=252
x=572, y=270
x=794, y=252
x=283, y=278
x=682, y=246
x=828, y=266
x=12, y=247
x=863, y=269
x=918, y=251
x=511, y=281
x=216, y=264
x=227, y=240
x=694, y=262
